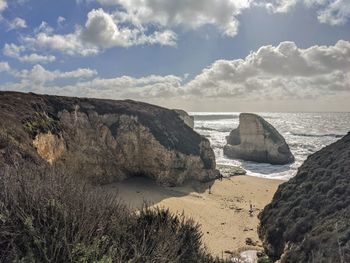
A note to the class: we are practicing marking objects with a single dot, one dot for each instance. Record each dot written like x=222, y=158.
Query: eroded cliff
x=103, y=140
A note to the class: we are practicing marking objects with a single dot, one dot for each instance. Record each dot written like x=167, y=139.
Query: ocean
x=305, y=134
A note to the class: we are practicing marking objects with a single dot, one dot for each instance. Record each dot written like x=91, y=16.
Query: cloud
x=101, y=31
x=278, y=72
x=271, y=75
x=187, y=14
x=333, y=12
x=60, y=21
x=4, y=66
x=3, y=5
x=39, y=78
x=14, y=51
x=70, y=44
x=16, y=23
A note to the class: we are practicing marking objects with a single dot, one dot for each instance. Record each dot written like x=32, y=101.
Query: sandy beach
x=224, y=214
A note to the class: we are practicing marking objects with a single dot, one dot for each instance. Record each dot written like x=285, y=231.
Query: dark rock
x=250, y=242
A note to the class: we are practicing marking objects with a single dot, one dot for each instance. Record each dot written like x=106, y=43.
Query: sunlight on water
x=305, y=134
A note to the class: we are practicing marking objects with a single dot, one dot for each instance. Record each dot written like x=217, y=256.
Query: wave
x=318, y=135
x=203, y=128
x=213, y=117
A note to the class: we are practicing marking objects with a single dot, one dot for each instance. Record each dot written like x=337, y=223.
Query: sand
x=223, y=215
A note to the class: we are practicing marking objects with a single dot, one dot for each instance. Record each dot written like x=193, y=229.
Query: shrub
x=46, y=216
x=308, y=219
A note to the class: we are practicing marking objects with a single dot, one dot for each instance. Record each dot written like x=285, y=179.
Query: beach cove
x=223, y=215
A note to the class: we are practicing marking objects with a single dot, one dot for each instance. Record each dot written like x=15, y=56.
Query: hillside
x=309, y=217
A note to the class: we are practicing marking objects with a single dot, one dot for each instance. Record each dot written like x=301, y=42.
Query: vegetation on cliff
x=47, y=216
x=309, y=217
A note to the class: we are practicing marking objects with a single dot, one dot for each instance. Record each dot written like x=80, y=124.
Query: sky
x=208, y=55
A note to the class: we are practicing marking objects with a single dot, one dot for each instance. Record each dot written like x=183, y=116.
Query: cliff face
x=257, y=140
x=189, y=120
x=102, y=140
x=308, y=219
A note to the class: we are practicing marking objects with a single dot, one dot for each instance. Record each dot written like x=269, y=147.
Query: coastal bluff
x=102, y=140
x=257, y=140
x=189, y=120
x=308, y=219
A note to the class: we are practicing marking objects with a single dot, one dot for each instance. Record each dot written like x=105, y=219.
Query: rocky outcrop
x=257, y=140
x=49, y=146
x=308, y=219
x=189, y=120
x=230, y=170
x=102, y=140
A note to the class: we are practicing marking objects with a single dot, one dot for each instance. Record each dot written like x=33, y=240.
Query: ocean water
x=305, y=134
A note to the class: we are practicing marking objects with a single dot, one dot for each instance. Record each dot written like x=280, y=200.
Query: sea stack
x=257, y=140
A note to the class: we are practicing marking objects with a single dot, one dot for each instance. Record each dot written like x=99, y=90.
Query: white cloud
x=273, y=75
x=278, y=72
x=38, y=79
x=14, y=51
x=101, y=31
x=144, y=88
x=333, y=12
x=38, y=75
x=70, y=44
x=188, y=14
x=3, y=5
x=17, y=23
x=44, y=27
x=60, y=20
x=4, y=66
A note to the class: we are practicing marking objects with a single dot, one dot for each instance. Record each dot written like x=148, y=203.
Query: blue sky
x=210, y=55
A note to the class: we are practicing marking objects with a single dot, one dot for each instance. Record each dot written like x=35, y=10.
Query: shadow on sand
x=137, y=191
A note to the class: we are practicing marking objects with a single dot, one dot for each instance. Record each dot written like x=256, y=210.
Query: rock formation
x=257, y=140
x=189, y=120
x=229, y=170
x=103, y=140
x=308, y=219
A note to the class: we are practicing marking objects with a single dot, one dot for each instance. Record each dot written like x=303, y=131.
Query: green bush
x=40, y=122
